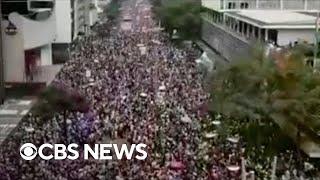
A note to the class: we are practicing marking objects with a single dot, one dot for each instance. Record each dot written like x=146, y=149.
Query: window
x=41, y=4
x=11, y=6
x=244, y=5
x=231, y=5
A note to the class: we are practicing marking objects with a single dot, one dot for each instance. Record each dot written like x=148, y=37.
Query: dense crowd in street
x=141, y=89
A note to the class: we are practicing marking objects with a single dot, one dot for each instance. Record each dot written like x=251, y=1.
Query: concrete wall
x=290, y=4
x=46, y=55
x=13, y=55
x=285, y=36
x=30, y=35
x=35, y=33
x=64, y=20
x=211, y=4
x=224, y=43
x=313, y=5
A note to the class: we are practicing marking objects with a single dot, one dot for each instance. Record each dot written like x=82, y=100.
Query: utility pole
x=2, y=88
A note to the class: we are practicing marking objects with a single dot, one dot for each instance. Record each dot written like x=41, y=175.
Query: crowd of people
x=141, y=89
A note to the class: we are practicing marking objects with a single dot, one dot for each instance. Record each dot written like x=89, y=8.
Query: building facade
x=232, y=27
x=232, y=5
x=2, y=87
x=74, y=19
x=37, y=34
x=28, y=30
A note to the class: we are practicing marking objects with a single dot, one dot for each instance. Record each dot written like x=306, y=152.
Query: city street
x=128, y=82
x=141, y=89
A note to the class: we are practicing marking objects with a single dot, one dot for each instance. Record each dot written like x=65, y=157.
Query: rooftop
x=275, y=18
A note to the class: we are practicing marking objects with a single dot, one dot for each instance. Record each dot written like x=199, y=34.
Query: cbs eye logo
x=28, y=151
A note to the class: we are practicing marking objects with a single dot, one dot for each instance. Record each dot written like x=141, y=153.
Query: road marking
x=7, y=125
x=8, y=112
x=24, y=112
x=24, y=102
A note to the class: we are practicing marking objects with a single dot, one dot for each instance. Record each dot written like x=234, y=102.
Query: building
x=231, y=27
x=234, y=5
x=28, y=30
x=74, y=19
x=37, y=33
x=2, y=89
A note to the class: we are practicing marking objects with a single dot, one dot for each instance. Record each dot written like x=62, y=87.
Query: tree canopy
x=182, y=15
x=113, y=9
x=58, y=98
x=261, y=93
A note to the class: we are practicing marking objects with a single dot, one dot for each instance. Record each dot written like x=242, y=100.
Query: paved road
x=11, y=112
x=133, y=14
x=131, y=19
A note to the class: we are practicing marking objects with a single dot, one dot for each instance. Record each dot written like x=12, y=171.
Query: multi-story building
x=36, y=34
x=232, y=26
x=74, y=19
x=2, y=89
x=234, y=5
x=28, y=30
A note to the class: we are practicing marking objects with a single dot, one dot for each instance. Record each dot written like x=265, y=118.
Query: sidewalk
x=11, y=112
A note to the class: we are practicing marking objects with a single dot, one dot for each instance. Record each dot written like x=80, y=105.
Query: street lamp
x=11, y=29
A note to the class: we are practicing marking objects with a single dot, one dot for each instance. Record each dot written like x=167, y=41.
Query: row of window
x=273, y=4
x=243, y=5
x=41, y=4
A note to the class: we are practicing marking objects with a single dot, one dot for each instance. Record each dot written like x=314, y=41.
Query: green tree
x=112, y=10
x=58, y=98
x=269, y=97
x=182, y=15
